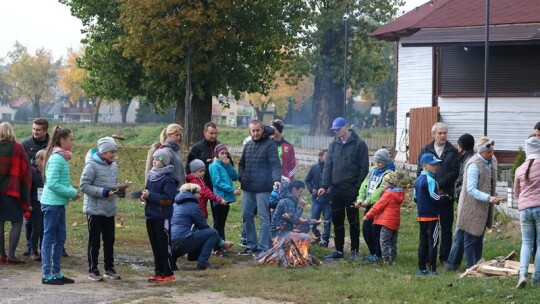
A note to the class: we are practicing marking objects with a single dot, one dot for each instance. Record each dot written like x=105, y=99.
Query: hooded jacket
x=222, y=178
x=387, y=211
x=187, y=216
x=371, y=188
x=259, y=165
x=286, y=215
x=448, y=170
x=176, y=160
x=203, y=150
x=206, y=193
x=347, y=164
x=161, y=185
x=96, y=181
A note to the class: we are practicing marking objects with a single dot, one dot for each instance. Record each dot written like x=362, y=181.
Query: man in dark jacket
x=346, y=167
x=38, y=141
x=259, y=170
x=446, y=176
x=319, y=204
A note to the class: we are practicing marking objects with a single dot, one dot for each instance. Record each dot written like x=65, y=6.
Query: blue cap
x=428, y=158
x=338, y=123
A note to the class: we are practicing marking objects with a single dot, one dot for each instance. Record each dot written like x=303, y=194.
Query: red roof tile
x=460, y=13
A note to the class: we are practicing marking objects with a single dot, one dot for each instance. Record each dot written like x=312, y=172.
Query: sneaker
x=535, y=283
x=246, y=252
x=155, y=278
x=51, y=281
x=64, y=253
x=3, y=259
x=353, y=256
x=220, y=253
x=14, y=261
x=522, y=282
x=423, y=272
x=372, y=258
x=243, y=242
x=167, y=279
x=323, y=243
x=35, y=256
x=64, y=279
x=95, y=276
x=334, y=255
x=111, y=274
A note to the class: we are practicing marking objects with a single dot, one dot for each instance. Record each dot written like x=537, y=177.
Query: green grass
x=334, y=282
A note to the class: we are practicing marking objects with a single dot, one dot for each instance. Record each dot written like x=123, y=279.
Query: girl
x=198, y=169
x=56, y=195
x=223, y=174
x=158, y=196
x=36, y=218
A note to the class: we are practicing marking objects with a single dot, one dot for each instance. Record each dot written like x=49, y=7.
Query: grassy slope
x=334, y=282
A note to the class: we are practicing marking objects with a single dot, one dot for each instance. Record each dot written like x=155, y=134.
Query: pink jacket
x=528, y=192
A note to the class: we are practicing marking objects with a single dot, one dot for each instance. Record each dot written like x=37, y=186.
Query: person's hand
x=494, y=200
x=77, y=196
x=145, y=194
x=302, y=221
x=365, y=218
x=287, y=216
x=225, y=160
x=30, y=208
x=359, y=204
x=277, y=185
x=236, y=192
x=301, y=203
x=223, y=202
x=321, y=192
x=314, y=192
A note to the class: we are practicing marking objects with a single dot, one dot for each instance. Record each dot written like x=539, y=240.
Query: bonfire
x=290, y=250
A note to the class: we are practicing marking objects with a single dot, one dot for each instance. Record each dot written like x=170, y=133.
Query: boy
x=288, y=213
x=319, y=204
x=427, y=203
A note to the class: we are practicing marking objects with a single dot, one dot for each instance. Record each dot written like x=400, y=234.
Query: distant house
x=7, y=111
x=81, y=111
x=240, y=112
x=441, y=66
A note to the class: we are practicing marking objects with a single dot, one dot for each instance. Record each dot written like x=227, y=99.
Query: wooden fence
x=322, y=142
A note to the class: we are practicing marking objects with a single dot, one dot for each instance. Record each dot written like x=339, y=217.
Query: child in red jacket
x=198, y=169
x=386, y=212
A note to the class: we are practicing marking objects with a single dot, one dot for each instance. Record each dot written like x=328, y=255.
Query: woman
x=15, y=186
x=527, y=189
x=170, y=139
x=475, y=210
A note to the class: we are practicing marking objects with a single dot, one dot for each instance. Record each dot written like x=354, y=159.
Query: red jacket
x=15, y=172
x=287, y=158
x=206, y=193
x=387, y=209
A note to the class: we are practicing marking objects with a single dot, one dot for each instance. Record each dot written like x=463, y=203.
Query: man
x=446, y=176
x=259, y=170
x=346, y=167
x=465, y=147
x=38, y=141
x=285, y=150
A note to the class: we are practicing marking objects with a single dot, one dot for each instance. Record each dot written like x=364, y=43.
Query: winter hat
x=106, y=144
x=532, y=148
x=195, y=165
x=163, y=156
x=278, y=124
x=220, y=148
x=382, y=156
x=393, y=179
x=466, y=142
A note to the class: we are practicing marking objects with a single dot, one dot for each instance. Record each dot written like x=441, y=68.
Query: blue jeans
x=253, y=202
x=202, y=241
x=54, y=237
x=317, y=207
x=474, y=245
x=456, y=253
x=530, y=227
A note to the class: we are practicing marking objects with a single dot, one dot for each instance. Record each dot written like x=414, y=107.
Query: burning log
x=290, y=250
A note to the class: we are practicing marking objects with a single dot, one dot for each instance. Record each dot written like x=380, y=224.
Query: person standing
x=465, y=147
x=475, y=209
x=345, y=169
x=527, y=189
x=259, y=170
x=170, y=140
x=15, y=187
x=319, y=204
x=446, y=175
x=285, y=150
x=38, y=141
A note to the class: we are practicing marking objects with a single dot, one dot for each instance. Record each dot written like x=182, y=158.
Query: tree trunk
x=95, y=109
x=124, y=107
x=382, y=116
x=188, y=117
x=37, y=108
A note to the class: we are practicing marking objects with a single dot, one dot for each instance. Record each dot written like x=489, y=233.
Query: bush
x=520, y=159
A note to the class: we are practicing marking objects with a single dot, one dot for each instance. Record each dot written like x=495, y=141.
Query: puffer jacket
x=347, y=164
x=161, y=185
x=259, y=166
x=186, y=217
x=386, y=212
x=57, y=190
x=96, y=181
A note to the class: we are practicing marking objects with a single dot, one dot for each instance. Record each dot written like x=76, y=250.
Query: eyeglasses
x=491, y=144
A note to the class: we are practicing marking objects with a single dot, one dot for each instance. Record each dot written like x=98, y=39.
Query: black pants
x=160, y=240
x=446, y=218
x=367, y=232
x=342, y=203
x=377, y=239
x=220, y=213
x=100, y=226
x=427, y=247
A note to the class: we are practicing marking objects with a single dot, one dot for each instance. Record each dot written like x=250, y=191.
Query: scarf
x=156, y=173
x=65, y=153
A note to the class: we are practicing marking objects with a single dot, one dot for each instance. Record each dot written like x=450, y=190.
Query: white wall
x=415, y=79
x=510, y=119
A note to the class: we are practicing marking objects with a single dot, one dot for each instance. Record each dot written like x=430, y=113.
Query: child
x=288, y=213
x=369, y=193
x=223, y=174
x=99, y=176
x=198, y=169
x=36, y=218
x=57, y=193
x=319, y=204
x=386, y=213
x=427, y=199
x=158, y=196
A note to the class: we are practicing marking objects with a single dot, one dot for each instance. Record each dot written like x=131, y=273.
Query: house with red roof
x=441, y=66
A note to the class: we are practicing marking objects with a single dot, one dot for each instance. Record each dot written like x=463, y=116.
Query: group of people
x=36, y=184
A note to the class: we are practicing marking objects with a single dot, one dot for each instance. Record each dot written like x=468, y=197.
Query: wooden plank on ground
x=515, y=265
x=473, y=268
x=498, y=271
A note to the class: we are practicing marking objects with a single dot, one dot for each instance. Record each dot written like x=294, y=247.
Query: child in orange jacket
x=386, y=212
x=198, y=169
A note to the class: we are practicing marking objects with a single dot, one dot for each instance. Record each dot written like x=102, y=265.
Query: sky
x=49, y=24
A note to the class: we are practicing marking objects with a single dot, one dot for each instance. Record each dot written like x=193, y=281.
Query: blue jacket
x=222, y=180
x=187, y=217
x=162, y=185
x=279, y=224
x=425, y=195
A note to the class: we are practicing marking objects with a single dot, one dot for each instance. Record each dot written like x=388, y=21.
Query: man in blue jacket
x=259, y=170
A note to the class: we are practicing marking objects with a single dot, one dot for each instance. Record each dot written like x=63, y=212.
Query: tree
x=234, y=46
x=385, y=92
x=326, y=47
x=72, y=76
x=5, y=88
x=33, y=76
